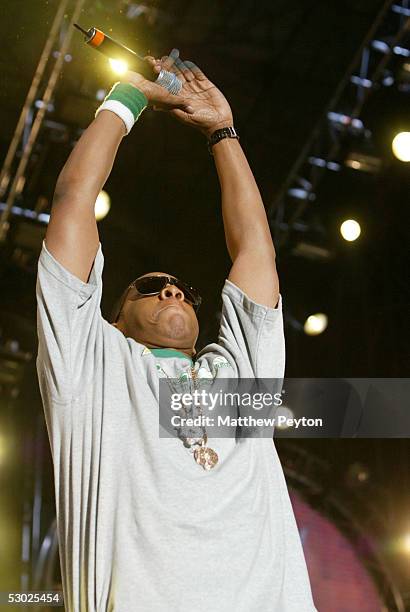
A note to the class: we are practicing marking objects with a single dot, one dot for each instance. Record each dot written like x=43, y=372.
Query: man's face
x=163, y=320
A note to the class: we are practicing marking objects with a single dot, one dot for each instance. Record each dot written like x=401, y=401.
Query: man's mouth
x=174, y=303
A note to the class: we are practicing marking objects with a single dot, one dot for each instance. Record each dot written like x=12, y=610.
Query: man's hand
x=210, y=108
x=157, y=94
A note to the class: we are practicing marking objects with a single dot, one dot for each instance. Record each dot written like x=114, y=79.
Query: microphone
x=117, y=51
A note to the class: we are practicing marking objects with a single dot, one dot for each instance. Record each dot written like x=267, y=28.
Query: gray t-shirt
x=142, y=527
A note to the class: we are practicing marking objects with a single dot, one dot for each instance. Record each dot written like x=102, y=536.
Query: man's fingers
x=185, y=70
x=167, y=61
x=195, y=70
x=177, y=69
x=155, y=63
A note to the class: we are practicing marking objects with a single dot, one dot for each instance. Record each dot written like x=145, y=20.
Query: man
x=148, y=523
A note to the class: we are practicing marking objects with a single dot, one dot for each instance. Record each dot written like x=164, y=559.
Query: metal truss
x=340, y=121
x=12, y=180
x=13, y=173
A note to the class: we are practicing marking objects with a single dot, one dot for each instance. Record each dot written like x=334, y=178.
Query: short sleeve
x=69, y=323
x=252, y=335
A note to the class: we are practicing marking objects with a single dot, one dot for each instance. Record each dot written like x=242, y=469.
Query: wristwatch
x=218, y=135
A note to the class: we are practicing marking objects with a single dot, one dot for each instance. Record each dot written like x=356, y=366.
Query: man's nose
x=170, y=291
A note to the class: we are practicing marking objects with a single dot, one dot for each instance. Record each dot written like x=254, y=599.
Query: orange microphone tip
x=97, y=39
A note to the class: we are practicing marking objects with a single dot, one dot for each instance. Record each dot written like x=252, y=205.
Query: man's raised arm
x=72, y=235
x=247, y=232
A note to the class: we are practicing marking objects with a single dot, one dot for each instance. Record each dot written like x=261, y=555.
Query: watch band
x=218, y=135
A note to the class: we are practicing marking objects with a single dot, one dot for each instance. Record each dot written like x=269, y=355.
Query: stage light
x=118, y=66
x=3, y=449
x=381, y=45
x=363, y=162
x=402, y=51
x=323, y=163
x=350, y=230
x=401, y=146
x=301, y=194
x=388, y=80
x=102, y=205
x=406, y=543
x=345, y=121
x=100, y=94
x=311, y=251
x=287, y=413
x=357, y=475
x=315, y=324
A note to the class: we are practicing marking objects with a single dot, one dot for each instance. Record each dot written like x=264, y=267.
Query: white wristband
x=119, y=109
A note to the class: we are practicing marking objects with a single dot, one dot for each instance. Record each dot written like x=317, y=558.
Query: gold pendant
x=206, y=457
x=190, y=443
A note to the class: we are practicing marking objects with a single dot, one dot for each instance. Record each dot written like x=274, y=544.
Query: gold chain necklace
x=204, y=455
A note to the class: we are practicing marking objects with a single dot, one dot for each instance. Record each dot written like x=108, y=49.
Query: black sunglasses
x=153, y=285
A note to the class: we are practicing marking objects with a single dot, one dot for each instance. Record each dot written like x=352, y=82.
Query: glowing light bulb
x=118, y=66
x=406, y=543
x=315, y=324
x=401, y=146
x=350, y=230
x=5, y=448
x=286, y=414
x=102, y=205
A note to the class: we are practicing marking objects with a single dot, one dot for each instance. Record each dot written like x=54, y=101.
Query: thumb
x=177, y=102
x=179, y=114
x=187, y=108
x=177, y=110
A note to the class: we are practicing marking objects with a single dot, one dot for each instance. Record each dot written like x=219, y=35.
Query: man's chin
x=175, y=324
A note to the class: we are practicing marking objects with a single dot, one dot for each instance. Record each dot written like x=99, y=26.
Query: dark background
x=278, y=63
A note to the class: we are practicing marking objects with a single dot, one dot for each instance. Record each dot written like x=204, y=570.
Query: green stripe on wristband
x=130, y=96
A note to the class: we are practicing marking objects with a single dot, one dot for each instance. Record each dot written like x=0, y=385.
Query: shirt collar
x=167, y=352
